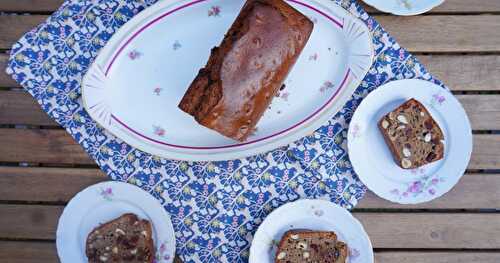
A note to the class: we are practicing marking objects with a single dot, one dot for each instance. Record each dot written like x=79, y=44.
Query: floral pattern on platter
x=159, y=131
x=214, y=11
x=214, y=206
x=353, y=254
x=157, y=90
x=425, y=185
x=438, y=99
x=313, y=57
x=134, y=54
x=177, y=45
x=326, y=86
x=161, y=254
x=106, y=193
x=356, y=130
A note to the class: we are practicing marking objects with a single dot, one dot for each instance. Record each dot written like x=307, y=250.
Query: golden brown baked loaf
x=243, y=74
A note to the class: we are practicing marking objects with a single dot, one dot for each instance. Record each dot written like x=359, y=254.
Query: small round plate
x=311, y=215
x=106, y=201
x=404, y=7
x=373, y=161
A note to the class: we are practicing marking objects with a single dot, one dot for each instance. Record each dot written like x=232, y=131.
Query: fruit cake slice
x=413, y=136
x=124, y=239
x=306, y=246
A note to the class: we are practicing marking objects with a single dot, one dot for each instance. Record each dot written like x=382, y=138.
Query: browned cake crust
x=125, y=239
x=413, y=136
x=306, y=246
x=243, y=74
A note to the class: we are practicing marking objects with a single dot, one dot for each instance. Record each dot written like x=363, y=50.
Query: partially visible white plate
x=106, y=201
x=311, y=214
x=404, y=7
x=135, y=84
x=372, y=159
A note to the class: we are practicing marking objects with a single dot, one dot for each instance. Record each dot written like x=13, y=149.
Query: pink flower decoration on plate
x=326, y=86
x=134, y=54
x=313, y=57
x=107, y=193
x=285, y=95
x=157, y=91
x=438, y=99
x=159, y=131
x=214, y=11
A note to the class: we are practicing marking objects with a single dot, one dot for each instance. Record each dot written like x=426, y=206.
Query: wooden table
x=41, y=167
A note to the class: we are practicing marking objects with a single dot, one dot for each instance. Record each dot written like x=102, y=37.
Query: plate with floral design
x=311, y=214
x=372, y=159
x=103, y=202
x=404, y=7
x=133, y=87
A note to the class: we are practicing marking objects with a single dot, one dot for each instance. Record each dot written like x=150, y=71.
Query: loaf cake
x=303, y=246
x=124, y=239
x=413, y=136
x=243, y=74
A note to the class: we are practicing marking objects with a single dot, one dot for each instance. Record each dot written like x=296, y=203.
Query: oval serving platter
x=135, y=84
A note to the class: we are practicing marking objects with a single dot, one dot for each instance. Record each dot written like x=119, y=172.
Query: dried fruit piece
x=405, y=163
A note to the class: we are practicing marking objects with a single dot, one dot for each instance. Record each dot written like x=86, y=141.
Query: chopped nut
x=385, y=124
x=144, y=233
x=428, y=137
x=402, y=119
x=133, y=251
x=302, y=245
x=107, y=248
x=391, y=115
x=115, y=250
x=295, y=237
x=405, y=163
x=400, y=127
x=406, y=152
x=422, y=114
x=281, y=255
x=103, y=258
x=306, y=254
x=119, y=231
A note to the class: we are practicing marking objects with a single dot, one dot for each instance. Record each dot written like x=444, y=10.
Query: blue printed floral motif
x=215, y=206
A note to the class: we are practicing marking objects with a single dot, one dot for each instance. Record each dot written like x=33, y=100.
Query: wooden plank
x=45, y=252
x=432, y=231
x=19, y=107
x=45, y=184
x=40, y=146
x=450, y=6
x=30, y=5
x=29, y=221
x=457, y=6
x=445, y=33
x=437, y=257
x=12, y=27
x=454, y=33
x=386, y=230
x=28, y=252
x=5, y=80
x=56, y=146
x=474, y=191
x=470, y=72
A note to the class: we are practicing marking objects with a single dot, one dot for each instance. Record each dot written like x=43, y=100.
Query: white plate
x=106, y=201
x=312, y=215
x=404, y=7
x=135, y=84
x=372, y=159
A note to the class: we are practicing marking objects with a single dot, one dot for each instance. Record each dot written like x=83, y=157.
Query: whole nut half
x=302, y=245
x=306, y=255
x=405, y=163
x=402, y=119
x=281, y=255
x=406, y=152
x=294, y=237
x=428, y=137
x=385, y=124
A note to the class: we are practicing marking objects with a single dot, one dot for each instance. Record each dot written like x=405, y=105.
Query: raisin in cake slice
x=124, y=239
x=311, y=246
x=413, y=136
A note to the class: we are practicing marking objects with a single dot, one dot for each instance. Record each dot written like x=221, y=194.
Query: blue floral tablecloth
x=215, y=206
